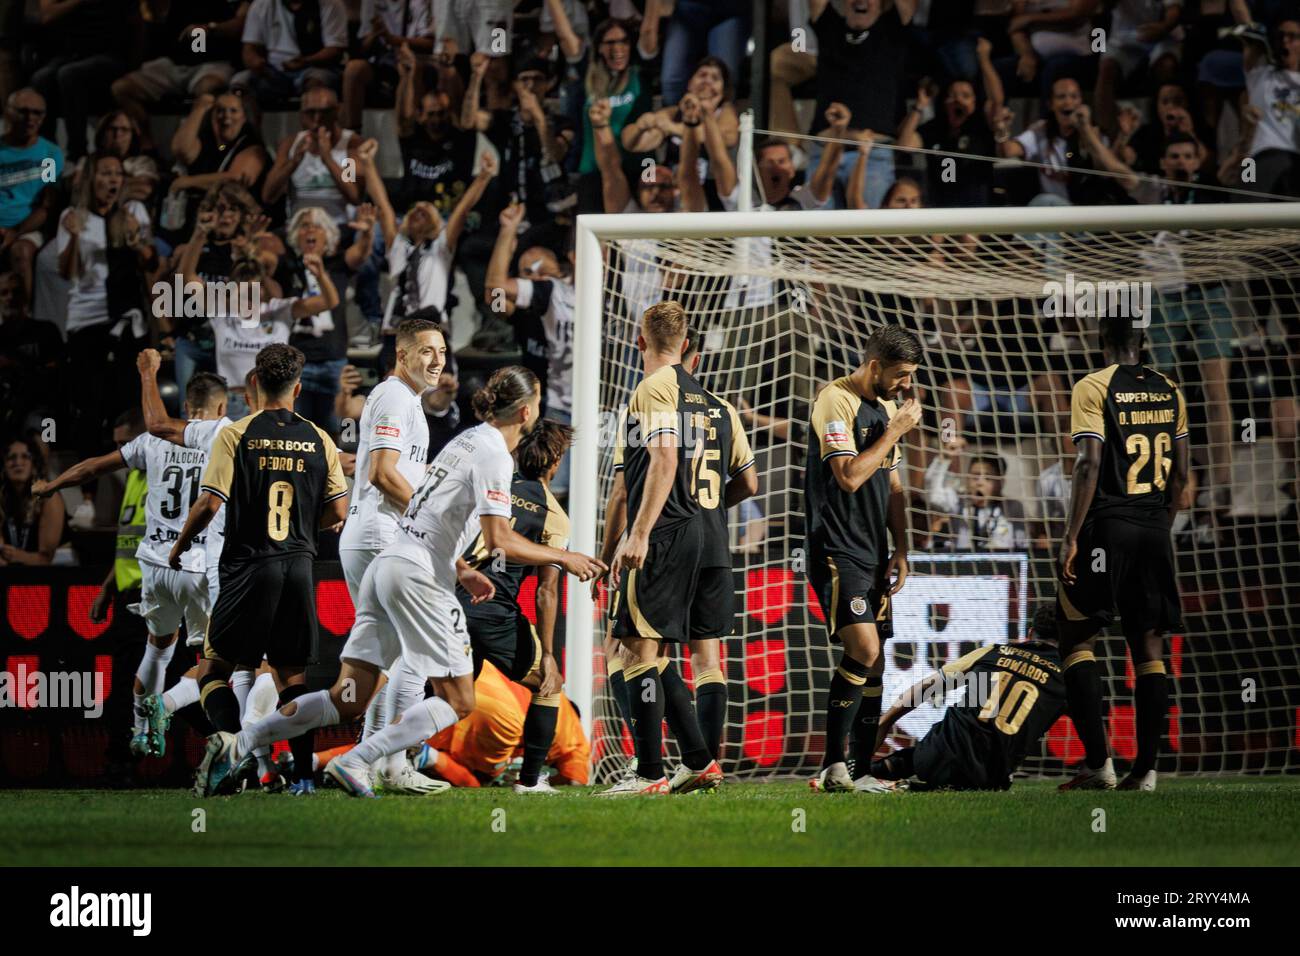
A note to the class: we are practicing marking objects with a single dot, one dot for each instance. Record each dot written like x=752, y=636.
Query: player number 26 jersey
x=1137, y=414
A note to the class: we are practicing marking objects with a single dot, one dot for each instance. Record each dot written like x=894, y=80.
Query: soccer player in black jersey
x=498, y=630
x=717, y=436
x=657, y=568
x=854, y=500
x=1013, y=695
x=280, y=479
x=1129, y=423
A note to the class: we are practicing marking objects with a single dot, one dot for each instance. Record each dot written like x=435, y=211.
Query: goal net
x=1006, y=303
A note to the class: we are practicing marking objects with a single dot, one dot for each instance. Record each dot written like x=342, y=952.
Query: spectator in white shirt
x=290, y=47
x=1274, y=91
x=98, y=221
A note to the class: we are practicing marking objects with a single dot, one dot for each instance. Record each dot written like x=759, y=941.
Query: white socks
x=153, y=667
x=310, y=711
x=418, y=724
x=182, y=694
x=405, y=690
x=151, y=673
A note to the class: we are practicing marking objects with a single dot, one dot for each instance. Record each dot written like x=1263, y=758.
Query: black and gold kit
x=498, y=630
x=848, y=534
x=657, y=599
x=1014, y=693
x=719, y=449
x=1125, y=562
x=275, y=471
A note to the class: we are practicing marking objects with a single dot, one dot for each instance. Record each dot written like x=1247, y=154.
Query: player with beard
x=408, y=604
x=855, y=500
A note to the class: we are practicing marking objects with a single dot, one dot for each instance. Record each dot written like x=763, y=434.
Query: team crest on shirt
x=858, y=606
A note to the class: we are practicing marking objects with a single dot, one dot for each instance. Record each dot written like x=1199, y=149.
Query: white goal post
x=835, y=247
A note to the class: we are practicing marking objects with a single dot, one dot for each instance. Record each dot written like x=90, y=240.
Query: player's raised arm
x=156, y=420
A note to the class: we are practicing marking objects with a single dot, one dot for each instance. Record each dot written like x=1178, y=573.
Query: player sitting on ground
x=1014, y=693
x=408, y=603
x=1129, y=423
x=482, y=748
x=498, y=630
x=168, y=595
x=664, y=590
x=855, y=500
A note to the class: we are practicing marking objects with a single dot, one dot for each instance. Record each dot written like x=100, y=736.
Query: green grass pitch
x=1212, y=821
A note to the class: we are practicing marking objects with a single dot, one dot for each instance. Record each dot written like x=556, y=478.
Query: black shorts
x=508, y=640
x=1122, y=569
x=655, y=600
x=934, y=763
x=713, y=608
x=264, y=608
x=850, y=593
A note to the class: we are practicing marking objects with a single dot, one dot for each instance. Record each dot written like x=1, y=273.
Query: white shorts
x=354, y=569
x=167, y=597
x=211, y=590
x=402, y=612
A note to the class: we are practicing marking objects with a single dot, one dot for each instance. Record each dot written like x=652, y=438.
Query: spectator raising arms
x=964, y=126
x=1275, y=93
x=387, y=28
x=322, y=337
x=553, y=300
x=437, y=157
x=217, y=143
x=859, y=66
x=421, y=250
x=98, y=221
x=616, y=79
x=32, y=526
x=182, y=70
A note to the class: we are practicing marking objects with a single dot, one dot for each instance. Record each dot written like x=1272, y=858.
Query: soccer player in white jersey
x=408, y=603
x=392, y=449
x=167, y=596
x=200, y=434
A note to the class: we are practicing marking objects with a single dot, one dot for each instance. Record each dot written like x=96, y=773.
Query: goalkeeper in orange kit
x=480, y=748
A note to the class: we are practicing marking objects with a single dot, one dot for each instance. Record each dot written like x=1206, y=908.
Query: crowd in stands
x=442, y=149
